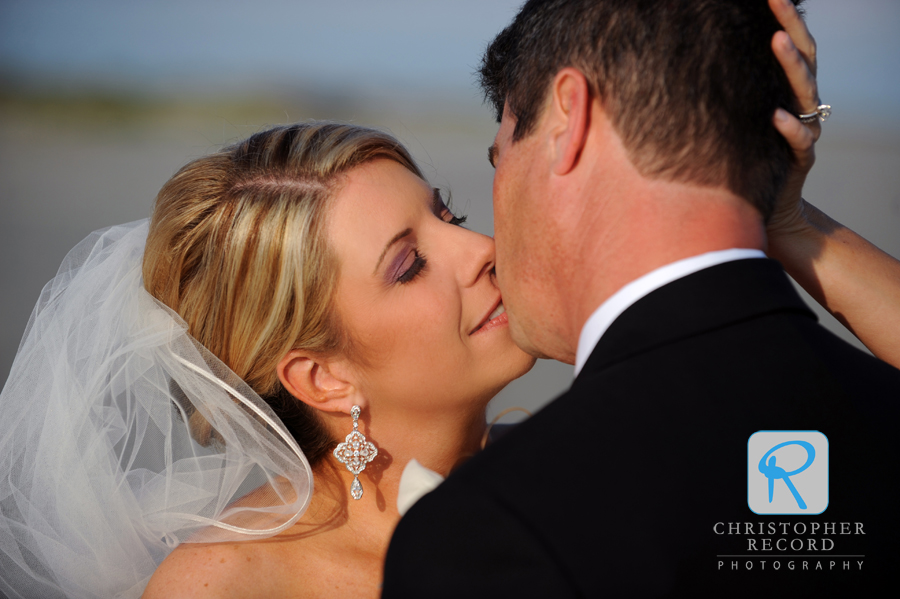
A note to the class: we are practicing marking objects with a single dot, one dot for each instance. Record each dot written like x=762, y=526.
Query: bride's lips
x=494, y=318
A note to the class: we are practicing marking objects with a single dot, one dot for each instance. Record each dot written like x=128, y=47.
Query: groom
x=636, y=164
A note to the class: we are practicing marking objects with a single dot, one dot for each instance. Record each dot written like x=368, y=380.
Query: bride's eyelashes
x=443, y=212
x=454, y=220
x=416, y=266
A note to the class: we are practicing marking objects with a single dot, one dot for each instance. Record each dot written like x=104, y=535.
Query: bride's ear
x=320, y=383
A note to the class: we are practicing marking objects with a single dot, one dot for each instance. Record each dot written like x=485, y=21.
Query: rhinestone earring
x=355, y=453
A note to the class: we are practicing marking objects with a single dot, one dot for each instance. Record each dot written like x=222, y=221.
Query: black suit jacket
x=616, y=487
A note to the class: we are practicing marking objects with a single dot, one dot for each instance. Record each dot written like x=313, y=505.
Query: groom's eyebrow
x=394, y=239
x=492, y=154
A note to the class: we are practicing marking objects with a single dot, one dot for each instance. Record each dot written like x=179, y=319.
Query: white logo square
x=787, y=472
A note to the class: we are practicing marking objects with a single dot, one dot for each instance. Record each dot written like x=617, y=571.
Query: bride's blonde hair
x=237, y=247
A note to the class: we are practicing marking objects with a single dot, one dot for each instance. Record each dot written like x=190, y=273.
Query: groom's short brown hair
x=690, y=85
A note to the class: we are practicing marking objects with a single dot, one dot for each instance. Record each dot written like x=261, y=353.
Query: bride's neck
x=438, y=443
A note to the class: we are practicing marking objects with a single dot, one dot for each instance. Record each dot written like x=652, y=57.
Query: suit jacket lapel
x=703, y=301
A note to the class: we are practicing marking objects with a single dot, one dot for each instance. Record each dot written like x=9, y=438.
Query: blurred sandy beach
x=77, y=158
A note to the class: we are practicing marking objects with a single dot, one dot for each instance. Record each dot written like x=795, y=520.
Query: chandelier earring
x=355, y=453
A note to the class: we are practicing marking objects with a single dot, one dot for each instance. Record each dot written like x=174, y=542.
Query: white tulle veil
x=100, y=477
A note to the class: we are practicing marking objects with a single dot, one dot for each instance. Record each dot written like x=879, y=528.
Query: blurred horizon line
x=132, y=101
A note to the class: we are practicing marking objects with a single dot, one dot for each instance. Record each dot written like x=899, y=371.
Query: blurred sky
x=383, y=45
x=417, y=46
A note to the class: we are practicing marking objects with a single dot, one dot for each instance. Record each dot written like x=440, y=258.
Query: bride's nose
x=477, y=257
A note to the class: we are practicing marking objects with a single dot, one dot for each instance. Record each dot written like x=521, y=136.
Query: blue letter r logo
x=800, y=459
x=773, y=472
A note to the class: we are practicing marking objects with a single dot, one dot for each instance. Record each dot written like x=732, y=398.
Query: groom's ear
x=570, y=114
x=322, y=383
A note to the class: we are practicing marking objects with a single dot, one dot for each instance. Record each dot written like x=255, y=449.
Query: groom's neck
x=641, y=225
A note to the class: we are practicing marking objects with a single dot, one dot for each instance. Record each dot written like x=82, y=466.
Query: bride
x=183, y=383
x=321, y=268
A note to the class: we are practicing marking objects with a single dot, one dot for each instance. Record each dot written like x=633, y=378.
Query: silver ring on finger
x=822, y=112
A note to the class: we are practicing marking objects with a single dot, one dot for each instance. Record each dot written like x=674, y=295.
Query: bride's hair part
x=237, y=247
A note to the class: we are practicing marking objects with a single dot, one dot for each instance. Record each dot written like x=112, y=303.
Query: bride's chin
x=517, y=367
x=526, y=363
x=518, y=363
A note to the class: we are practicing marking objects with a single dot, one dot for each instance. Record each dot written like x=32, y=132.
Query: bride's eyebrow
x=404, y=233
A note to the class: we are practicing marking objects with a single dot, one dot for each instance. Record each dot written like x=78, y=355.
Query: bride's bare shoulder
x=196, y=570
x=314, y=558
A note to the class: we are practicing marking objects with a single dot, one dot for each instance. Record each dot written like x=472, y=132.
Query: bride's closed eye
x=412, y=266
x=414, y=262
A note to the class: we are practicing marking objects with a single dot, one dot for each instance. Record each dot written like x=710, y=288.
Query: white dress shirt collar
x=622, y=299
